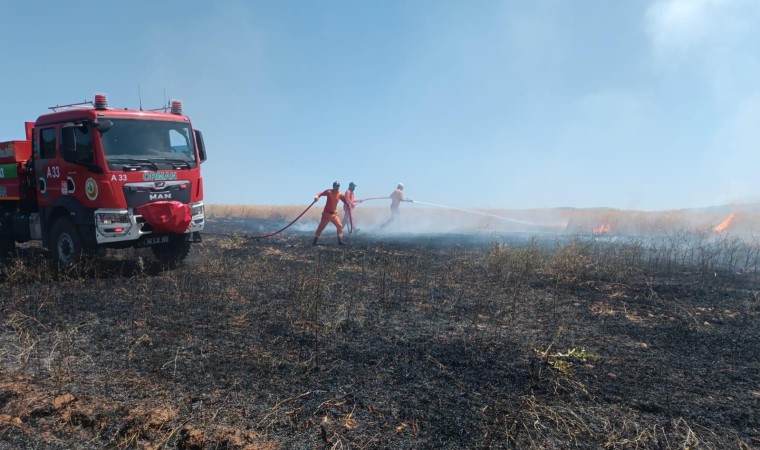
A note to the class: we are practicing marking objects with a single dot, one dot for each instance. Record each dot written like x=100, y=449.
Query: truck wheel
x=65, y=242
x=7, y=243
x=172, y=253
x=7, y=247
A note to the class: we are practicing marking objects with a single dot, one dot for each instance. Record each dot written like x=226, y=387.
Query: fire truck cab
x=89, y=177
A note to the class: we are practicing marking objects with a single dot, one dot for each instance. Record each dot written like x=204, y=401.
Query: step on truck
x=89, y=177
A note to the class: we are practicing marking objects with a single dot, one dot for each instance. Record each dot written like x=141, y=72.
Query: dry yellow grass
x=254, y=211
x=745, y=220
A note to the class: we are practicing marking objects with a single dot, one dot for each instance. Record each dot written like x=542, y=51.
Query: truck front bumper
x=121, y=225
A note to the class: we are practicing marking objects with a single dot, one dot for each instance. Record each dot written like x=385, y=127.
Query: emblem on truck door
x=91, y=189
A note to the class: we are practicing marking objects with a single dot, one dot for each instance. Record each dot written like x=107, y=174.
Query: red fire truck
x=89, y=177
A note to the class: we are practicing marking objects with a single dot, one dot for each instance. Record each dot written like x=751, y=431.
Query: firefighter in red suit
x=348, y=207
x=397, y=196
x=330, y=213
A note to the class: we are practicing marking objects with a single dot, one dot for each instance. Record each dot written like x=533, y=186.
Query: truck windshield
x=156, y=144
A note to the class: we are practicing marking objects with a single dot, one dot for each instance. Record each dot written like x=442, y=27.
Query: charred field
x=391, y=342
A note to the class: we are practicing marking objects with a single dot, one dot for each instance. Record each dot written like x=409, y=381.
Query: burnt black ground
x=403, y=341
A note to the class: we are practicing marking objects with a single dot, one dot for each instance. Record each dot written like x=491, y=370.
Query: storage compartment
x=13, y=156
x=15, y=151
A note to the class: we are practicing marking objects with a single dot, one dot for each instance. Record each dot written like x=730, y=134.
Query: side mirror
x=104, y=125
x=200, y=144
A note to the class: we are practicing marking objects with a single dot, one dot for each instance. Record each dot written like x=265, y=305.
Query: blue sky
x=488, y=104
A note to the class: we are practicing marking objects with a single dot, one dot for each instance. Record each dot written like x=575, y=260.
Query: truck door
x=78, y=155
x=47, y=167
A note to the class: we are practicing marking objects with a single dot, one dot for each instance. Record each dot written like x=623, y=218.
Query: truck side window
x=178, y=142
x=47, y=143
x=76, y=145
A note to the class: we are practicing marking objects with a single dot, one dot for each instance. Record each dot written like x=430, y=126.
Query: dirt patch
x=388, y=343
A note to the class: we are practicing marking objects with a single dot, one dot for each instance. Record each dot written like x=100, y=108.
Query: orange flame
x=604, y=228
x=726, y=224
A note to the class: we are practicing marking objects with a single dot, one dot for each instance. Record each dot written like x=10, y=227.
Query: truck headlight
x=109, y=218
x=197, y=209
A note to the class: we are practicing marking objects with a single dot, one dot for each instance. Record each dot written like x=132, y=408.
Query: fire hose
x=348, y=210
x=263, y=236
x=384, y=198
x=350, y=214
x=350, y=217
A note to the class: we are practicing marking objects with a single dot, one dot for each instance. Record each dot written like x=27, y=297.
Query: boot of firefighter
x=315, y=241
x=340, y=241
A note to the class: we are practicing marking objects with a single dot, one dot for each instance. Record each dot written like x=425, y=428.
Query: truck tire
x=172, y=253
x=7, y=247
x=7, y=243
x=65, y=243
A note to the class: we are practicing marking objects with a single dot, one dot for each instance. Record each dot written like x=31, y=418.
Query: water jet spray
x=473, y=211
